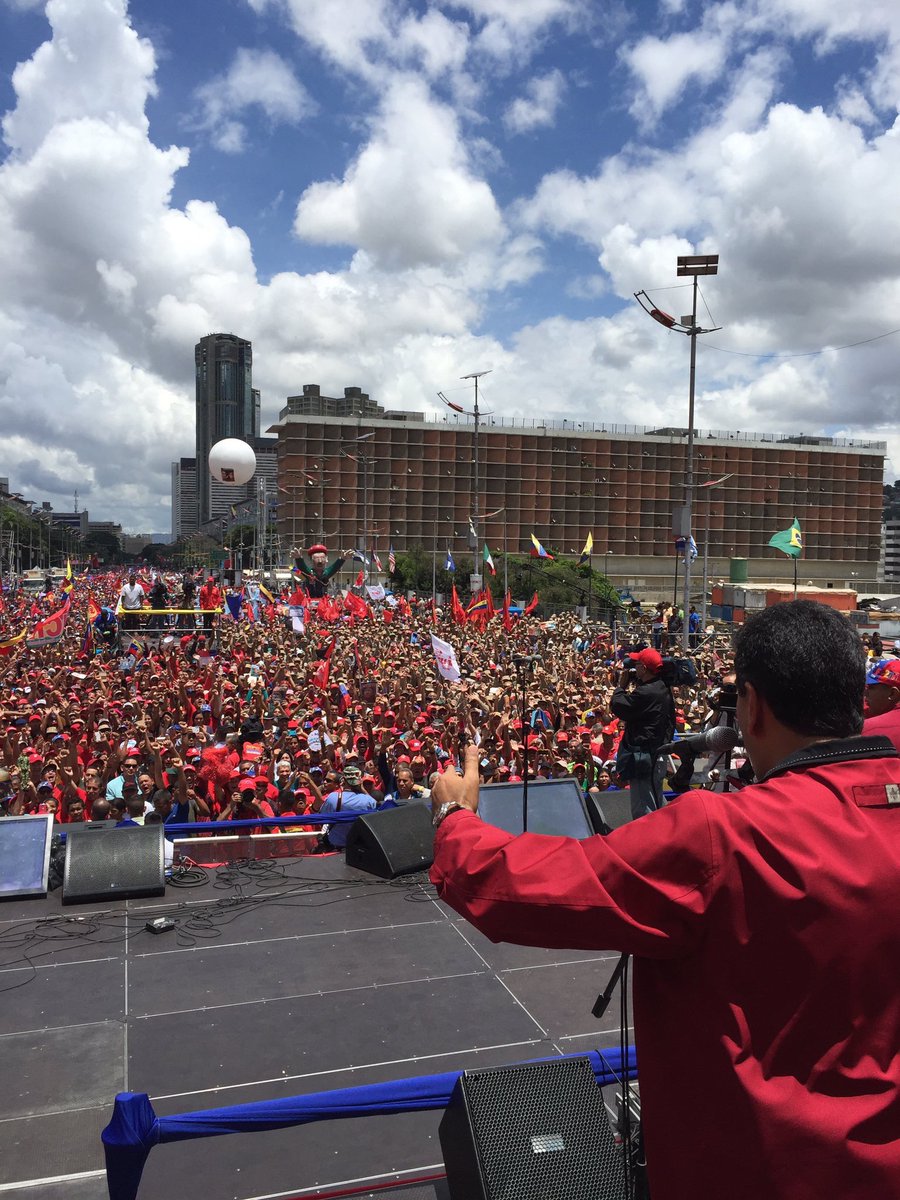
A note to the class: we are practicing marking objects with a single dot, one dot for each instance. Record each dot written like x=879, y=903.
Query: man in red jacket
x=763, y=925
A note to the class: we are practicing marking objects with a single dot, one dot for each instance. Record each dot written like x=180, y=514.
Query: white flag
x=376, y=591
x=297, y=615
x=445, y=657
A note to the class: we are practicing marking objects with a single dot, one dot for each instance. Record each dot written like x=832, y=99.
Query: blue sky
x=394, y=194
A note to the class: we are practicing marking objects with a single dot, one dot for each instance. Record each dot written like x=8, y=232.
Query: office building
x=412, y=484
x=184, y=497
x=227, y=406
x=891, y=552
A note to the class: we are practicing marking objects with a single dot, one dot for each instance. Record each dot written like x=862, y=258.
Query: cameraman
x=648, y=710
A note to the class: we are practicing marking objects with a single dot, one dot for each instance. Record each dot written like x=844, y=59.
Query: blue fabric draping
x=134, y=1127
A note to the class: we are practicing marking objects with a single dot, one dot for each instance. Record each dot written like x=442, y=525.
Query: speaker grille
x=541, y=1132
x=113, y=864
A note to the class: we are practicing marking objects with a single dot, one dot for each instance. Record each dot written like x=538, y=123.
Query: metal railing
x=666, y=433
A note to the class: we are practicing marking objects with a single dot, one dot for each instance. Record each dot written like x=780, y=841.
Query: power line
x=801, y=353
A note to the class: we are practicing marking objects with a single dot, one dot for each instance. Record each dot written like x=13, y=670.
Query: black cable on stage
x=204, y=921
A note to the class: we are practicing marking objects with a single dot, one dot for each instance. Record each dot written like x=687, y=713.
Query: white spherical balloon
x=232, y=461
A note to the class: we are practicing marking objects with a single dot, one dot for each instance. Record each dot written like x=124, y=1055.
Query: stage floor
x=279, y=979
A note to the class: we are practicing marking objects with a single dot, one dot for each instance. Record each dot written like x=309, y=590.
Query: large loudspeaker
x=610, y=809
x=538, y=1131
x=395, y=841
x=114, y=864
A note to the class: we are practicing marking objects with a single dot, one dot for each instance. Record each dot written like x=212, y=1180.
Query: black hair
x=808, y=664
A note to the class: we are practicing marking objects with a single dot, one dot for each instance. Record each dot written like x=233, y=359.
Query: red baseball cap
x=649, y=658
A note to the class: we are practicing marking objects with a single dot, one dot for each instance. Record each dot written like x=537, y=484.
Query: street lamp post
x=692, y=266
x=477, y=413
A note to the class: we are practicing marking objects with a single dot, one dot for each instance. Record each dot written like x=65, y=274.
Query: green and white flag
x=788, y=541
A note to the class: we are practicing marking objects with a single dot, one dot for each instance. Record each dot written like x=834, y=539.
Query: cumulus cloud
x=410, y=197
x=109, y=281
x=538, y=107
x=256, y=78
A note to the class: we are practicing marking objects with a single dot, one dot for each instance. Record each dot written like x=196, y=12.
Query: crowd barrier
x=134, y=1128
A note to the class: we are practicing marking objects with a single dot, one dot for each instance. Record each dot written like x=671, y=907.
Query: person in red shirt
x=211, y=597
x=763, y=926
x=243, y=805
x=883, y=700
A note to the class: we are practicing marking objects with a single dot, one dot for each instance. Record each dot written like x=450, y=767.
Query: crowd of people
x=203, y=717
x=229, y=711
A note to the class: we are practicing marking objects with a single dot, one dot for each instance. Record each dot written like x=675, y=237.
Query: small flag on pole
x=488, y=561
x=538, y=550
x=377, y=561
x=586, y=552
x=449, y=565
x=788, y=541
x=687, y=547
x=392, y=560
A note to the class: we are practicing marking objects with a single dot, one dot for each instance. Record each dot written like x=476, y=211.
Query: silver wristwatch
x=445, y=810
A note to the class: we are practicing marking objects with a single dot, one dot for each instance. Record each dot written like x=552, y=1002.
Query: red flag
x=297, y=598
x=490, y=603
x=433, y=612
x=328, y=610
x=531, y=605
x=358, y=582
x=320, y=674
x=49, y=631
x=456, y=608
x=388, y=616
x=507, y=618
x=355, y=605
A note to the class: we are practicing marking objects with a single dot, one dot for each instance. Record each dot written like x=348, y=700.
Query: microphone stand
x=524, y=665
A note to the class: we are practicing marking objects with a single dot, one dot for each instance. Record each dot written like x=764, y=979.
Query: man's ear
x=754, y=709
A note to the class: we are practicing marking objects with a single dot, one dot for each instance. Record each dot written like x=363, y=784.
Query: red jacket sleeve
x=642, y=890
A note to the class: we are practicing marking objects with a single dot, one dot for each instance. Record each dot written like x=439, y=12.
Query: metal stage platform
x=281, y=978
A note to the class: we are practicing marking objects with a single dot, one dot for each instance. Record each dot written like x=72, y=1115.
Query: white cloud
x=538, y=107
x=99, y=70
x=108, y=285
x=665, y=67
x=410, y=197
x=256, y=79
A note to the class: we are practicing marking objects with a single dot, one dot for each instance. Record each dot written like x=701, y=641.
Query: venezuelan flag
x=538, y=551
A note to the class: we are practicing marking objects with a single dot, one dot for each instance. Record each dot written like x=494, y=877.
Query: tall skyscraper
x=227, y=407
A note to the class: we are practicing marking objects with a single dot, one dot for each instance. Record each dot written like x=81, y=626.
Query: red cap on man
x=649, y=658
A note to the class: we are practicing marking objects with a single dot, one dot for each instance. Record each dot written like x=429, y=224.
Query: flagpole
x=795, y=575
x=434, y=562
x=505, y=557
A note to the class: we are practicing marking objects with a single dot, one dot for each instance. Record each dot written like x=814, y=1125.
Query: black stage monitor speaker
x=395, y=841
x=610, y=809
x=538, y=1131
x=114, y=864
